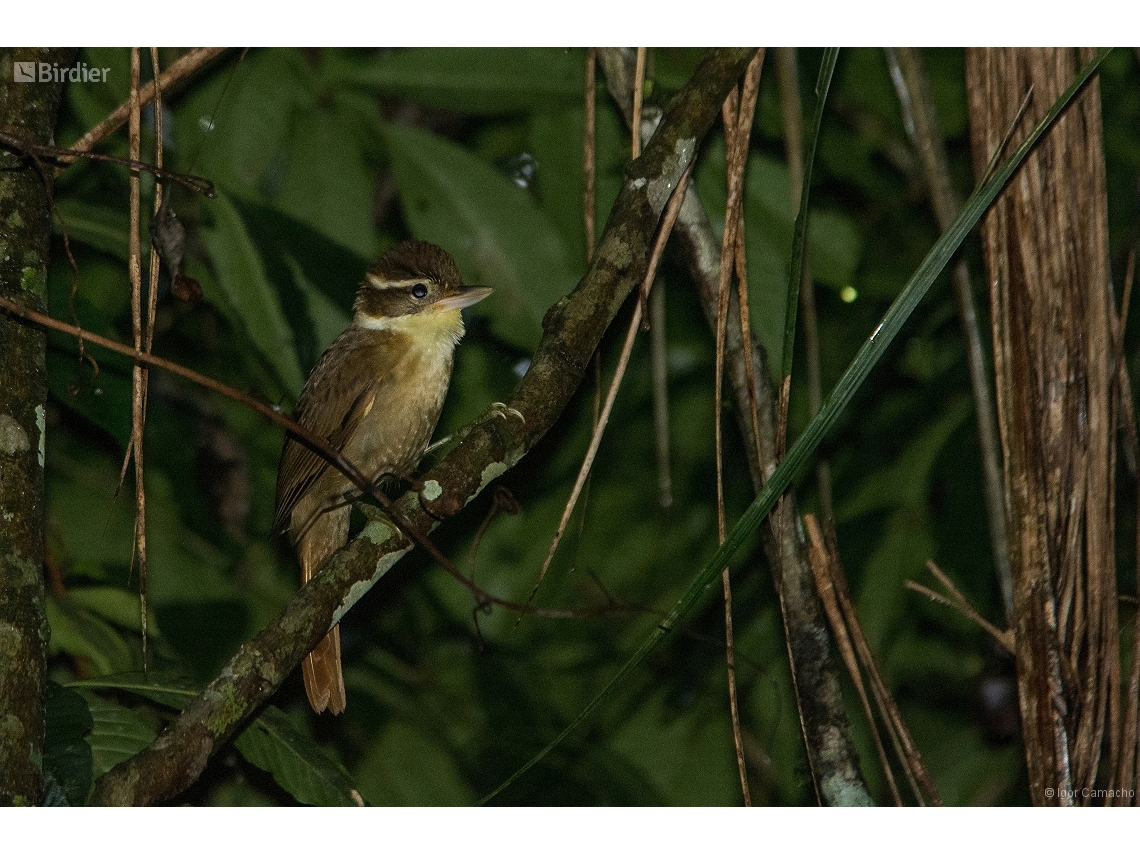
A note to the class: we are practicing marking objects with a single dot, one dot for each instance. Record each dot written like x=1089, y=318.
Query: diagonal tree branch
x=573, y=329
x=815, y=671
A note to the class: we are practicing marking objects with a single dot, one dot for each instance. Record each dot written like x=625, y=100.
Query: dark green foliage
x=67, y=754
x=322, y=159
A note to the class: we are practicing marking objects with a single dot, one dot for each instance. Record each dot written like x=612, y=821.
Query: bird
x=374, y=396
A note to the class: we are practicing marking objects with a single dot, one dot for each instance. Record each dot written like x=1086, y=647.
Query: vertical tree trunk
x=27, y=111
x=1046, y=252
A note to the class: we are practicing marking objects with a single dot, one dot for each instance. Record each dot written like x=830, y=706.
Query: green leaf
x=695, y=770
x=114, y=604
x=104, y=398
x=328, y=319
x=271, y=742
x=117, y=733
x=906, y=482
x=143, y=685
x=100, y=226
x=99, y=530
x=327, y=183
x=867, y=358
x=316, y=276
x=799, y=239
x=900, y=554
x=77, y=631
x=238, y=125
x=554, y=138
x=67, y=754
x=496, y=232
x=247, y=296
x=833, y=242
x=478, y=80
x=408, y=767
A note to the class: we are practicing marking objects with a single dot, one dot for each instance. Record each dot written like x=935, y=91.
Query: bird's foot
x=500, y=409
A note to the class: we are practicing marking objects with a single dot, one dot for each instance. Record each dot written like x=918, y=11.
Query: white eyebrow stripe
x=385, y=284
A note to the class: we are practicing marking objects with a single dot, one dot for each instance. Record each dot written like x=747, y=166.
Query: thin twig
x=919, y=779
x=635, y=145
x=913, y=89
x=589, y=181
x=668, y=219
x=792, y=110
x=653, y=321
x=1125, y=773
x=152, y=293
x=65, y=157
x=749, y=91
x=638, y=85
x=658, y=364
x=310, y=440
x=958, y=602
x=589, y=165
x=737, y=114
x=176, y=74
x=819, y=557
x=138, y=372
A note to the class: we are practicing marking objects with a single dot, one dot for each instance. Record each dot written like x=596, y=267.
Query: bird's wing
x=332, y=411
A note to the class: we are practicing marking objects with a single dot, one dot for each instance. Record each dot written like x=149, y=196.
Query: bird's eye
x=419, y=290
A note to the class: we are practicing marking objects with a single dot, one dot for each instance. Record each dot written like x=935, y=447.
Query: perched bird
x=375, y=396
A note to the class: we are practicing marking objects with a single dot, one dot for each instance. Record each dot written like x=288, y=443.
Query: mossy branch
x=573, y=328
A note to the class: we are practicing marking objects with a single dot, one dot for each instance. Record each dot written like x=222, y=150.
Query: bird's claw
x=500, y=409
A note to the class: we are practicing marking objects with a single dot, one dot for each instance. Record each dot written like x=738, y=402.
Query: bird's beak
x=466, y=296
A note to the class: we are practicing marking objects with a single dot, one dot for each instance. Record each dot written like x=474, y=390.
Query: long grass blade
x=799, y=237
x=868, y=356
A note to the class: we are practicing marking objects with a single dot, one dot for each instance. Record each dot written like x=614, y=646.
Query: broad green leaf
x=799, y=453
x=316, y=276
x=67, y=755
x=968, y=768
x=695, y=770
x=901, y=554
x=91, y=102
x=114, y=604
x=326, y=182
x=247, y=296
x=79, y=632
x=496, y=232
x=103, y=398
x=554, y=138
x=477, y=80
x=272, y=742
x=99, y=226
x=285, y=240
x=271, y=129
x=236, y=127
x=98, y=528
x=143, y=685
x=834, y=244
x=408, y=767
x=906, y=482
x=100, y=395
x=329, y=320
x=117, y=733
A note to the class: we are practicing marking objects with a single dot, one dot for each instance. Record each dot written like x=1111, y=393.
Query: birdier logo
x=26, y=71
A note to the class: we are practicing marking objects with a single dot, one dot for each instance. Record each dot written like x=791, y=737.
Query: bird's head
x=414, y=286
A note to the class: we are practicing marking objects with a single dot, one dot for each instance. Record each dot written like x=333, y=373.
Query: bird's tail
x=324, y=680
